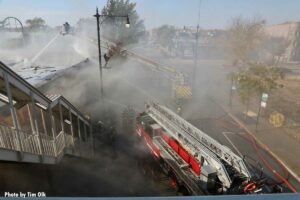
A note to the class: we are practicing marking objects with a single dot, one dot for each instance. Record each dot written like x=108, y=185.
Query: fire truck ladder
x=199, y=144
x=168, y=71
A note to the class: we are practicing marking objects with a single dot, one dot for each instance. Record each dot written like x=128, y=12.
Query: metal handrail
x=36, y=144
x=59, y=141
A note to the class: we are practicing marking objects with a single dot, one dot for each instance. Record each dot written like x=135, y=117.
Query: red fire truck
x=194, y=161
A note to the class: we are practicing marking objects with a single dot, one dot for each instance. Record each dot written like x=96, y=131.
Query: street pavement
x=228, y=132
x=278, y=148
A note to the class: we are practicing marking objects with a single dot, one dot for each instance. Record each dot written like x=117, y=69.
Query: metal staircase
x=38, y=128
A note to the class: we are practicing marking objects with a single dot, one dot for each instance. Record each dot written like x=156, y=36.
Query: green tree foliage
x=164, y=35
x=36, y=23
x=244, y=36
x=114, y=28
x=256, y=79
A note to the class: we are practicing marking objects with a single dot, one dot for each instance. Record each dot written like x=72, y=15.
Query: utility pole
x=99, y=51
x=257, y=118
x=196, y=58
x=196, y=51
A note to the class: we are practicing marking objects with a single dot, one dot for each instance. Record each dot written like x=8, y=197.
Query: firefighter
x=108, y=55
x=106, y=58
x=66, y=28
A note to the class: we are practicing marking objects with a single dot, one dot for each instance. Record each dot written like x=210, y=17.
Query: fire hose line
x=281, y=166
x=252, y=140
x=250, y=187
x=286, y=176
x=267, y=164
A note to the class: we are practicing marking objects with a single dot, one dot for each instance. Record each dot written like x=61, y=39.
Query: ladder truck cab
x=195, y=161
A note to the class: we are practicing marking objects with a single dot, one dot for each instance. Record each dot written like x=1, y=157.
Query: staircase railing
x=31, y=143
x=59, y=140
x=48, y=145
x=8, y=138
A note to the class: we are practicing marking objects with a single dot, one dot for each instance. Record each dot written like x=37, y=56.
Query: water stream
x=42, y=50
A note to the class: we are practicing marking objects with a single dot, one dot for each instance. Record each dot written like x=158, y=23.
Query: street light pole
x=97, y=15
x=257, y=118
x=99, y=51
x=196, y=59
x=196, y=50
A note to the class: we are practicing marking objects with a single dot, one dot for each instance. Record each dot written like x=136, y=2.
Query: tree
x=36, y=23
x=244, y=36
x=164, y=35
x=114, y=28
x=256, y=79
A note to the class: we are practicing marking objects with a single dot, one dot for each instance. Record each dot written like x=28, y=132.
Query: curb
x=261, y=143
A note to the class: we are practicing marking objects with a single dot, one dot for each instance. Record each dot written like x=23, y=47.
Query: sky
x=214, y=14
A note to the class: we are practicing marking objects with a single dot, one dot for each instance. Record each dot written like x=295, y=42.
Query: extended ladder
x=197, y=142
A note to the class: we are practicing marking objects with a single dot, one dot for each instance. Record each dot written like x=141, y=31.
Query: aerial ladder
x=180, y=88
x=181, y=91
x=228, y=165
